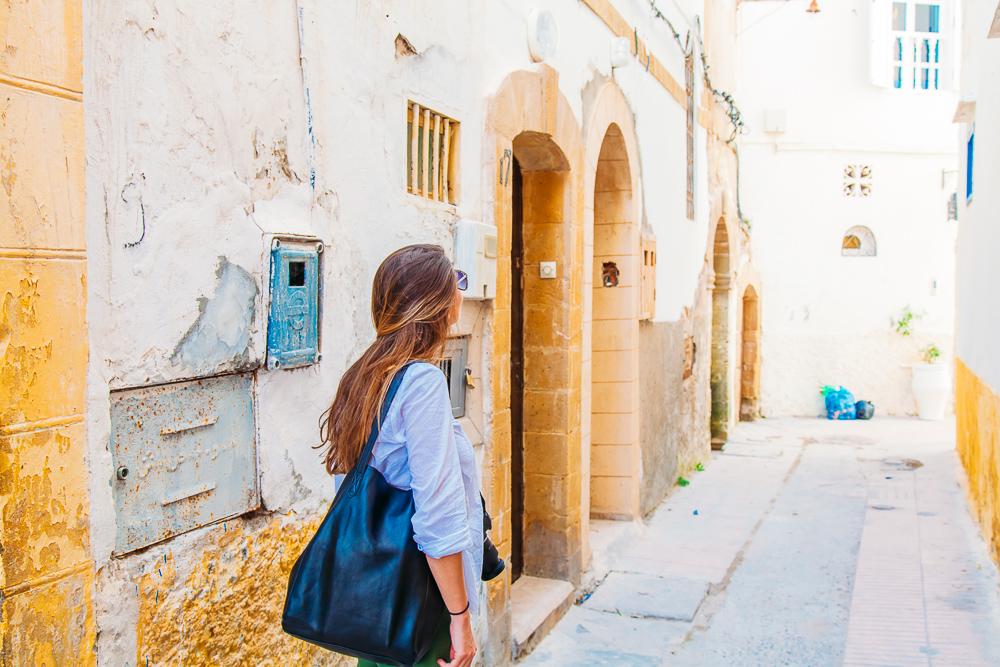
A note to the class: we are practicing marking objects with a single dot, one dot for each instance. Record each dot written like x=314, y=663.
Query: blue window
x=916, y=52
x=969, y=148
x=928, y=18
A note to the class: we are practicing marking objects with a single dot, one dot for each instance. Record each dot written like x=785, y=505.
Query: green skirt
x=441, y=648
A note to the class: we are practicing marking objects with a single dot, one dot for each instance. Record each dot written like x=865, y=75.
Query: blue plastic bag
x=840, y=403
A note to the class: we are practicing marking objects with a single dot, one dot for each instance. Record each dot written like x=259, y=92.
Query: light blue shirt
x=423, y=449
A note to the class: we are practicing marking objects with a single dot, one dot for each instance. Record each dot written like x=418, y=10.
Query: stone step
x=536, y=604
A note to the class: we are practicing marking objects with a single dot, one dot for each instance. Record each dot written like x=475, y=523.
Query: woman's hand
x=463, y=644
x=450, y=579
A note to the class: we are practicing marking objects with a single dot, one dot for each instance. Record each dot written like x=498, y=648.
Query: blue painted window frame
x=970, y=146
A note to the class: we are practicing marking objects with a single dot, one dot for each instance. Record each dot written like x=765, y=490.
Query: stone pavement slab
x=647, y=596
x=590, y=637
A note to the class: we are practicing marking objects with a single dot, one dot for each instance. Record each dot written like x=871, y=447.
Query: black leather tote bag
x=361, y=587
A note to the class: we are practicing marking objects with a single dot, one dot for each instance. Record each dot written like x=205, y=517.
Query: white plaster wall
x=197, y=122
x=978, y=299
x=827, y=319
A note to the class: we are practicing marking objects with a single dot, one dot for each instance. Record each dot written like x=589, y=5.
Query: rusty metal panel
x=183, y=456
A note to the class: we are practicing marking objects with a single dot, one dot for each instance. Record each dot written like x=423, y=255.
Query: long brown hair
x=412, y=296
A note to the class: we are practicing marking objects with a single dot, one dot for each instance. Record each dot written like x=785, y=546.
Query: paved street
x=805, y=542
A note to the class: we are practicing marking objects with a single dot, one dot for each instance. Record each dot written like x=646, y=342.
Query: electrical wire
x=731, y=110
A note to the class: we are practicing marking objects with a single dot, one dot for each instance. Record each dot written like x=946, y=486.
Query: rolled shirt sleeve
x=440, y=519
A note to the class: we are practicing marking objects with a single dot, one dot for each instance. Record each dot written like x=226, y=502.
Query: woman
x=416, y=297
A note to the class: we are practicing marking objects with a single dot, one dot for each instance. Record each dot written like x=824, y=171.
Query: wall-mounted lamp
x=621, y=52
x=813, y=7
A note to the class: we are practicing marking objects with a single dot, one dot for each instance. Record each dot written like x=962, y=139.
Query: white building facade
x=977, y=361
x=249, y=165
x=846, y=174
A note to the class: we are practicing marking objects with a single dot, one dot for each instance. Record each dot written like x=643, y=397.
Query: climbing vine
x=723, y=97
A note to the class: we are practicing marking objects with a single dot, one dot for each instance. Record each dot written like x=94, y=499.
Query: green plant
x=682, y=482
x=903, y=324
x=930, y=354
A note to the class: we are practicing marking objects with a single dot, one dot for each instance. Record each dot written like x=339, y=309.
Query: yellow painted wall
x=45, y=568
x=224, y=606
x=977, y=416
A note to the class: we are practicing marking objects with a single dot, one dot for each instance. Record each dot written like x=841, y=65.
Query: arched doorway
x=533, y=155
x=615, y=460
x=540, y=270
x=750, y=356
x=719, y=378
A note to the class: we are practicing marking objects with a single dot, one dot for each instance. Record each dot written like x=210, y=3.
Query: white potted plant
x=931, y=384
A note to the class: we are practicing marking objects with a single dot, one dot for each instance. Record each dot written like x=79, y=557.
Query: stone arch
x=858, y=241
x=750, y=356
x=612, y=257
x=532, y=149
x=719, y=376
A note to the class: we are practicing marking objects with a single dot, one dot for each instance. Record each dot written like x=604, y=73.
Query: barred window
x=431, y=154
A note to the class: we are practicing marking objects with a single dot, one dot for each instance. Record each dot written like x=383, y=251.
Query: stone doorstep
x=536, y=605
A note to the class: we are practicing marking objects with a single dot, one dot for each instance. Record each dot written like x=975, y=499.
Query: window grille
x=431, y=154
x=453, y=365
x=917, y=46
x=857, y=180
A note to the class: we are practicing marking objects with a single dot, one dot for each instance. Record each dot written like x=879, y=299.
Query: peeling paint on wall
x=977, y=416
x=45, y=569
x=219, y=337
x=220, y=601
x=51, y=624
x=674, y=427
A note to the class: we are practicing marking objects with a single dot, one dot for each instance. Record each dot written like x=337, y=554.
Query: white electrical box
x=476, y=254
x=775, y=121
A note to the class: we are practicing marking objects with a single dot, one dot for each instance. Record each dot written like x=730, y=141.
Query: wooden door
x=517, y=374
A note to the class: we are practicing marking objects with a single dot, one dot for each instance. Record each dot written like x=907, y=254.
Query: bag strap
x=360, y=468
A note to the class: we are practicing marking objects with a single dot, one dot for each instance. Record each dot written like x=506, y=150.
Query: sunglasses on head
x=462, y=278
